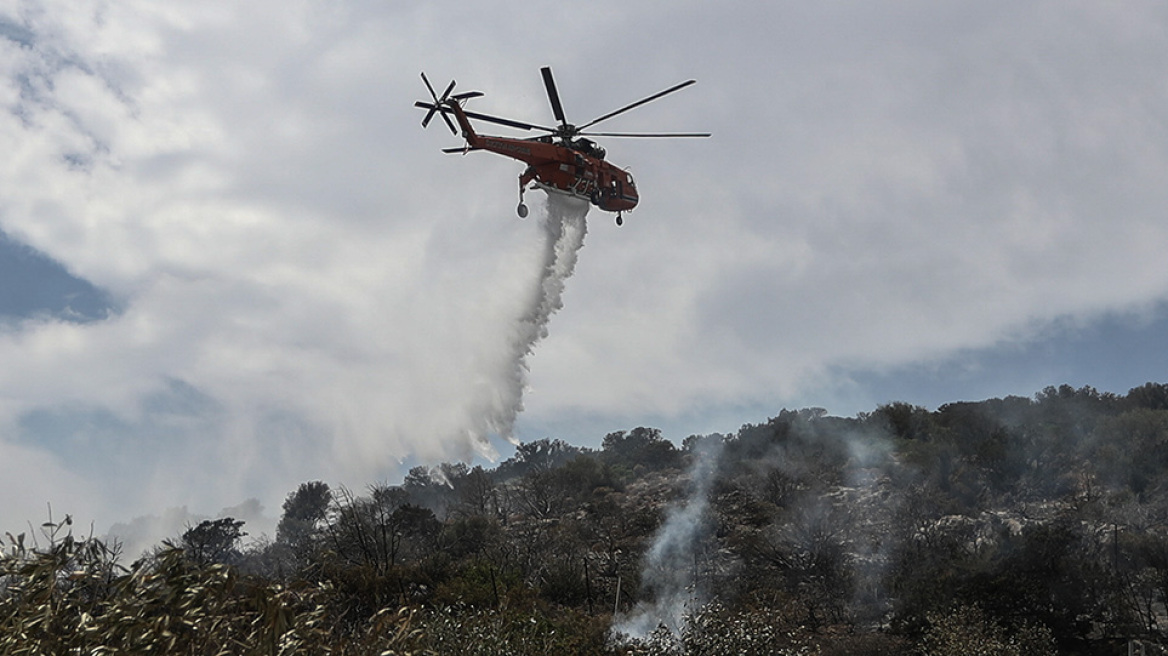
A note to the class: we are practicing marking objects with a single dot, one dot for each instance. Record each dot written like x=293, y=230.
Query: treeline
x=1008, y=526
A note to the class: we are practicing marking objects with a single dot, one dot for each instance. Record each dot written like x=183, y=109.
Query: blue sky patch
x=33, y=285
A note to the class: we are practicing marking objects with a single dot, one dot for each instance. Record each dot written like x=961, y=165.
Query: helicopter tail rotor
x=440, y=104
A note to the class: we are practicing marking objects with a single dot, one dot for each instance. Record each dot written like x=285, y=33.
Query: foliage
x=304, y=511
x=713, y=630
x=967, y=631
x=74, y=598
x=214, y=541
x=641, y=449
x=488, y=632
x=1005, y=526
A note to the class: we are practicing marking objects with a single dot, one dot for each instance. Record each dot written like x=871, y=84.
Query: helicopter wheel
x=620, y=220
x=522, y=211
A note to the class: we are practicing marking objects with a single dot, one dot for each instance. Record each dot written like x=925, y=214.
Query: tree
x=537, y=456
x=1153, y=396
x=902, y=420
x=477, y=495
x=540, y=494
x=1050, y=573
x=433, y=487
x=808, y=552
x=214, y=541
x=644, y=447
x=381, y=530
x=304, y=511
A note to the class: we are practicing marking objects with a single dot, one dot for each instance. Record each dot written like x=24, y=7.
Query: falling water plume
x=564, y=230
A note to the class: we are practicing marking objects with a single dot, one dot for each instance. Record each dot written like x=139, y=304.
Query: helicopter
x=564, y=160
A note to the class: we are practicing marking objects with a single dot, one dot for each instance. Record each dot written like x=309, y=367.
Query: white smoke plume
x=564, y=228
x=669, y=574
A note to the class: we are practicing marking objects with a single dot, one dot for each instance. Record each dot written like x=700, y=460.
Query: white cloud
x=912, y=187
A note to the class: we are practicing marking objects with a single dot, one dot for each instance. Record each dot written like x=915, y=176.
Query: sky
x=232, y=261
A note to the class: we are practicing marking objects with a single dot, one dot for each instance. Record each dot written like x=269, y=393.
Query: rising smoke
x=564, y=230
x=669, y=575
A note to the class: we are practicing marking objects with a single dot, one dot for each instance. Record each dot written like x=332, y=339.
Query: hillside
x=1006, y=526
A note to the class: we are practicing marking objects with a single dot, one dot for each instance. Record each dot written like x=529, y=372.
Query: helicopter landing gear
x=524, y=179
x=522, y=209
x=620, y=220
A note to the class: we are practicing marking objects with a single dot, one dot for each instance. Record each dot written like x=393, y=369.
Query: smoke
x=669, y=575
x=564, y=230
x=489, y=408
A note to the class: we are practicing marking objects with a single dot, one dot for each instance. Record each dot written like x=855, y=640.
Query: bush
x=967, y=631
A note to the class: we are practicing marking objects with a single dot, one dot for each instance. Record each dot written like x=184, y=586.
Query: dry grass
x=74, y=598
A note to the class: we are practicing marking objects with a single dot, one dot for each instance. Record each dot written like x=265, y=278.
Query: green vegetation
x=1007, y=526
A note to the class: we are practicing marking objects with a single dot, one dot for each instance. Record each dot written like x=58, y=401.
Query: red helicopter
x=561, y=161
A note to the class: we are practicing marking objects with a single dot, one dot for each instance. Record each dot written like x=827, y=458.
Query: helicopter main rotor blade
x=645, y=134
x=553, y=95
x=506, y=121
x=651, y=98
x=485, y=117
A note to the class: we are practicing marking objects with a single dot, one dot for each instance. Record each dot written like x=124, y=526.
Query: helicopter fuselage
x=574, y=167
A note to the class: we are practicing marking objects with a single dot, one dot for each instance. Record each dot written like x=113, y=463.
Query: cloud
x=904, y=186
x=307, y=289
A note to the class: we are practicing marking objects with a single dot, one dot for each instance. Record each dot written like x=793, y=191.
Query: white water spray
x=669, y=572
x=564, y=230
